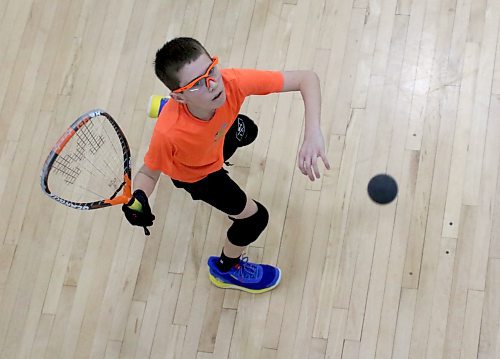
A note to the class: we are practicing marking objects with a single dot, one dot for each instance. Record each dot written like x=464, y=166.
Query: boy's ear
x=178, y=97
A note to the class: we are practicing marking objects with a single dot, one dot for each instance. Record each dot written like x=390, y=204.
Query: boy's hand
x=312, y=148
x=138, y=211
x=307, y=82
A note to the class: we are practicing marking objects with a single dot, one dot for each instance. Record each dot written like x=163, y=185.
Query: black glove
x=143, y=218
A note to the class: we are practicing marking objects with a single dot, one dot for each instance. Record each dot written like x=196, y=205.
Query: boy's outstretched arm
x=313, y=146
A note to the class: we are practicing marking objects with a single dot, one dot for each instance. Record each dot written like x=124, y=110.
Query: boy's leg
x=242, y=132
x=219, y=191
x=249, y=220
x=244, y=275
x=232, y=250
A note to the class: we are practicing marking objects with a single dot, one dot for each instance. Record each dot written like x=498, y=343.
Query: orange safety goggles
x=195, y=85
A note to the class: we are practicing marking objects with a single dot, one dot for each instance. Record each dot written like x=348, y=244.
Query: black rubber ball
x=382, y=189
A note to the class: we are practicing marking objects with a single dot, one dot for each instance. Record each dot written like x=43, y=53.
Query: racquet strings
x=90, y=166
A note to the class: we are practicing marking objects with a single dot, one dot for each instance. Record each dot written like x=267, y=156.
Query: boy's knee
x=249, y=209
x=247, y=130
x=246, y=230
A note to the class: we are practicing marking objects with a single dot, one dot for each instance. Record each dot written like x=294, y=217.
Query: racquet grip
x=136, y=205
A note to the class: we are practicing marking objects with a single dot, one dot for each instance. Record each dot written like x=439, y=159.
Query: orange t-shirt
x=188, y=149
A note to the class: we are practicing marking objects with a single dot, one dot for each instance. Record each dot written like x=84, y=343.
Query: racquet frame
x=126, y=186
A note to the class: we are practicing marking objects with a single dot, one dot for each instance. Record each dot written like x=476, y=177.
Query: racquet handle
x=136, y=205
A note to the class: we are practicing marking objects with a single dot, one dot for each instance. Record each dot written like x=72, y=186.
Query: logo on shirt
x=220, y=133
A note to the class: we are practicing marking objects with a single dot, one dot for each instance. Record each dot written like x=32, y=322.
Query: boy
x=199, y=129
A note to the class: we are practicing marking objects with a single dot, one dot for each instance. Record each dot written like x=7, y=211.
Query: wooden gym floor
x=409, y=87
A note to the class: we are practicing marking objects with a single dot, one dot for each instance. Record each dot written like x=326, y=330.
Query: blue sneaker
x=246, y=276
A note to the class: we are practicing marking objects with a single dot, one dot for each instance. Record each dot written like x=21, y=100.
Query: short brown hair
x=173, y=56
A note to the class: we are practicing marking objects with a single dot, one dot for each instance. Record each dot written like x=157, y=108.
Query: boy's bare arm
x=307, y=82
x=146, y=180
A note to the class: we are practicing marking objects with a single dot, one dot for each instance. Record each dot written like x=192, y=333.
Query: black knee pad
x=245, y=231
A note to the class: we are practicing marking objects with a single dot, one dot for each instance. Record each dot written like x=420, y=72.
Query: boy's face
x=201, y=96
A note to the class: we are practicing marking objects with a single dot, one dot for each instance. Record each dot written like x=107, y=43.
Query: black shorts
x=218, y=189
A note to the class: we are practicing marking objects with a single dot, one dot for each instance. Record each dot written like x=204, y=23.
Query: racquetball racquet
x=89, y=166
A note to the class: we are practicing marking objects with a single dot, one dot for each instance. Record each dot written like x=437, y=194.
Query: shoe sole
x=224, y=285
